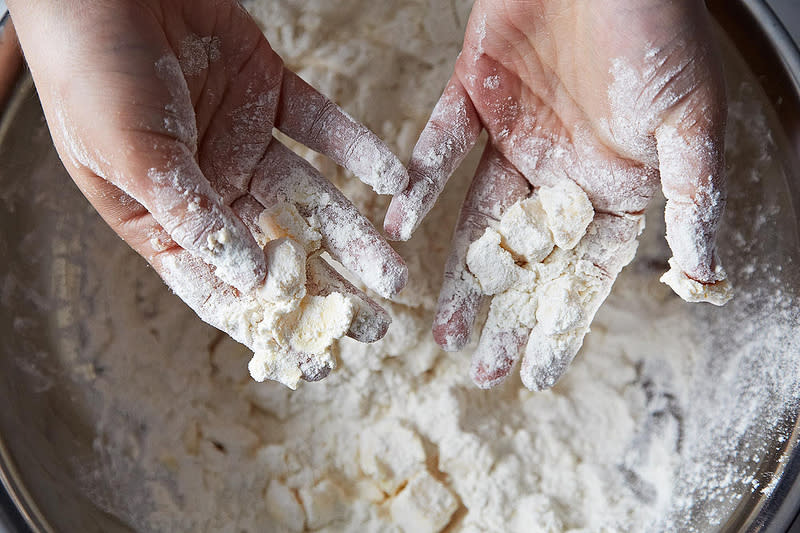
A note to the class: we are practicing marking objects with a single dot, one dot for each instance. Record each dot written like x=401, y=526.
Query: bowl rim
x=776, y=64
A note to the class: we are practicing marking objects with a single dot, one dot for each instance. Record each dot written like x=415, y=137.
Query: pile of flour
x=646, y=431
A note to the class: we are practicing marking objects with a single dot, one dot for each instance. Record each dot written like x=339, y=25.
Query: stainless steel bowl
x=46, y=430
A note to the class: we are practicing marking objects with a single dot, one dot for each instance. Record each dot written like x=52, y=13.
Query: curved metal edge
x=781, y=508
x=11, y=521
x=782, y=40
x=10, y=56
x=9, y=475
x=13, y=87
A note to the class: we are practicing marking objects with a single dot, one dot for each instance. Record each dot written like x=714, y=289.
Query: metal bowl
x=46, y=418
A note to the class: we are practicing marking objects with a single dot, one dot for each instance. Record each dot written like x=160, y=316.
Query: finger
x=347, y=235
x=548, y=356
x=169, y=183
x=193, y=280
x=568, y=302
x=449, y=135
x=692, y=168
x=499, y=348
x=496, y=186
x=370, y=321
x=309, y=117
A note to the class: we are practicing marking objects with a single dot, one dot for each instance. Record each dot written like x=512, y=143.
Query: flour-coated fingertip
x=537, y=379
x=489, y=374
x=389, y=176
x=394, y=278
x=547, y=357
x=249, y=278
x=388, y=275
x=313, y=369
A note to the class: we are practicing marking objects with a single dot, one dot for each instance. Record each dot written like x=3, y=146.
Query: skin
x=619, y=96
x=162, y=112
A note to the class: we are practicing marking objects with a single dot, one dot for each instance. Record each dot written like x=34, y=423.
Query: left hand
x=612, y=95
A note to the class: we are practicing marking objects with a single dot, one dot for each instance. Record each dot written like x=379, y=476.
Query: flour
x=660, y=424
x=197, y=53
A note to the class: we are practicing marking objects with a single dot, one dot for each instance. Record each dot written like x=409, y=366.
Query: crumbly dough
x=531, y=265
x=283, y=507
x=324, y=504
x=283, y=316
x=390, y=454
x=718, y=293
x=423, y=505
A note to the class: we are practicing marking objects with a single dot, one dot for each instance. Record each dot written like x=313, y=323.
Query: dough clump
x=718, y=293
x=283, y=322
x=532, y=264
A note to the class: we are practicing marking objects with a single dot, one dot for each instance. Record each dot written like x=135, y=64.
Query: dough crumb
x=282, y=505
x=390, y=455
x=569, y=212
x=324, y=503
x=549, y=288
x=492, y=265
x=718, y=293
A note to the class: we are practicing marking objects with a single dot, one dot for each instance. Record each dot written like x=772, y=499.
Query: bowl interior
x=62, y=305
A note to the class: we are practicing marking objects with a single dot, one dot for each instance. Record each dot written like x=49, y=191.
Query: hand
x=611, y=95
x=163, y=113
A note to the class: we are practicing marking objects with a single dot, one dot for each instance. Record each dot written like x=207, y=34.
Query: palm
x=541, y=99
x=611, y=95
x=163, y=112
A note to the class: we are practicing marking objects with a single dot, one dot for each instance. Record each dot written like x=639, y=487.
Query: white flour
x=650, y=421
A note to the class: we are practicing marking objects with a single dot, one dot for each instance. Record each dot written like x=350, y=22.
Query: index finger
x=283, y=176
x=309, y=117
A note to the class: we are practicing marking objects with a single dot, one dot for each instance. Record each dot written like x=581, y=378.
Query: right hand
x=162, y=112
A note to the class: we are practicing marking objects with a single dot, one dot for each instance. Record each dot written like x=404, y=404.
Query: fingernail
x=369, y=324
x=313, y=369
